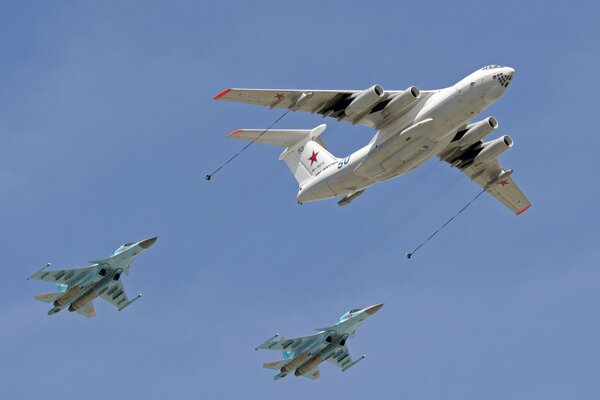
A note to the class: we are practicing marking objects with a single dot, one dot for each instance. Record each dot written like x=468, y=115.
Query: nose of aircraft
x=509, y=71
x=144, y=244
x=373, y=309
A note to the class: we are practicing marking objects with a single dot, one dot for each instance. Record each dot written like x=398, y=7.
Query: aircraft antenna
x=209, y=176
x=409, y=255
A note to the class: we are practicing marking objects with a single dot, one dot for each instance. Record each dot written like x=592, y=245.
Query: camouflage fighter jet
x=303, y=355
x=78, y=287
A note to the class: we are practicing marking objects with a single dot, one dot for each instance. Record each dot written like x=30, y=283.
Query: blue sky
x=107, y=127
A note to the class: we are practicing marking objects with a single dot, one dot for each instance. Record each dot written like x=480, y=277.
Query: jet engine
x=365, y=101
x=68, y=296
x=477, y=131
x=493, y=149
x=312, y=363
x=82, y=301
x=401, y=101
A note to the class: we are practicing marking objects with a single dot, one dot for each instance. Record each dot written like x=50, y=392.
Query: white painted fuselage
x=409, y=140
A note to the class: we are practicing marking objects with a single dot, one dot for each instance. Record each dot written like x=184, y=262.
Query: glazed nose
x=505, y=76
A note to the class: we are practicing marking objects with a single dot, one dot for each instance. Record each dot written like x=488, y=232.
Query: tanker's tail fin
x=305, y=155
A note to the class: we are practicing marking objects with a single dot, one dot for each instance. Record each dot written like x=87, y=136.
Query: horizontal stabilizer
x=279, y=137
x=48, y=297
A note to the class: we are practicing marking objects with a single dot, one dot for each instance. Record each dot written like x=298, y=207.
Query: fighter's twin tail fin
x=48, y=297
x=277, y=365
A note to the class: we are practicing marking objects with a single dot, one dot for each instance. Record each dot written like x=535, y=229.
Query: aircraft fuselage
x=406, y=142
x=91, y=286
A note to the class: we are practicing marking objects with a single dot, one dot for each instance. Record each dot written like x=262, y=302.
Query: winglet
x=131, y=301
x=523, y=210
x=223, y=93
x=235, y=132
x=354, y=363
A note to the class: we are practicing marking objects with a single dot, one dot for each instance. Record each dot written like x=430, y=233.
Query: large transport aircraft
x=412, y=126
x=78, y=287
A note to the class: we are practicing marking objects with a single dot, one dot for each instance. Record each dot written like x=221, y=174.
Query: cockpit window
x=354, y=310
x=491, y=67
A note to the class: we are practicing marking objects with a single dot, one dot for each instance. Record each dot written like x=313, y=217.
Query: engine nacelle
x=82, y=301
x=402, y=101
x=365, y=101
x=68, y=296
x=312, y=363
x=493, y=149
x=477, y=131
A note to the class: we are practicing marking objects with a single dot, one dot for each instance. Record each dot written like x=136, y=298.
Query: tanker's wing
x=491, y=176
x=504, y=189
x=115, y=294
x=328, y=103
x=63, y=276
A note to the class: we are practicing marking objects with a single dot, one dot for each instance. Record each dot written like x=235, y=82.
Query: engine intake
x=365, y=101
x=402, y=101
x=492, y=149
x=477, y=131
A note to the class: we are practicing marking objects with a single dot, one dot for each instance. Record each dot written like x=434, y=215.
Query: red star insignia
x=503, y=182
x=313, y=158
x=280, y=96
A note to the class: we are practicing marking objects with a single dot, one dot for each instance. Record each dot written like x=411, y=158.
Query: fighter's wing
x=291, y=345
x=63, y=276
x=491, y=176
x=341, y=358
x=328, y=103
x=115, y=294
x=87, y=310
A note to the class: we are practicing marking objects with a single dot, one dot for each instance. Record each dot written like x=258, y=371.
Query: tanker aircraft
x=77, y=288
x=412, y=127
x=303, y=355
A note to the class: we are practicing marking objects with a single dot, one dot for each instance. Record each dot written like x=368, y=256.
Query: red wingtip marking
x=523, y=210
x=223, y=93
x=235, y=132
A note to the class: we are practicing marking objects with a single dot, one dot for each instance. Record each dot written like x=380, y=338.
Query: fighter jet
x=412, y=127
x=77, y=288
x=303, y=355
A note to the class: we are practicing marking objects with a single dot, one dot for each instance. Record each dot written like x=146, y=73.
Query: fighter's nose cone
x=373, y=309
x=144, y=244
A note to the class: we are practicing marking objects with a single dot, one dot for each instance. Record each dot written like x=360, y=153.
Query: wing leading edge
x=328, y=103
x=62, y=276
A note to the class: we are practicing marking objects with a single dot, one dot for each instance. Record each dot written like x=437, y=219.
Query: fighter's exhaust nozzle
x=144, y=244
x=53, y=310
